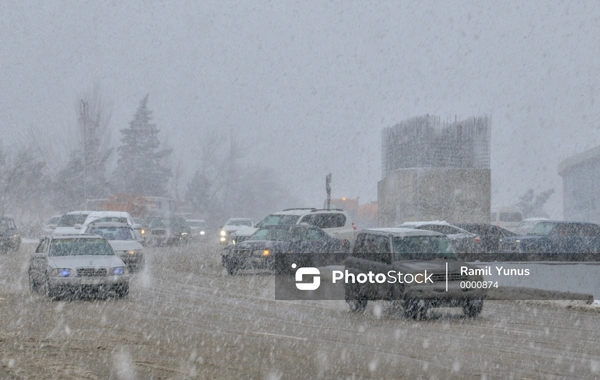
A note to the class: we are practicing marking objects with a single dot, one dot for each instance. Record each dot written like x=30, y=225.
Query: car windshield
x=276, y=234
x=276, y=220
x=71, y=220
x=80, y=247
x=113, y=219
x=53, y=220
x=239, y=223
x=112, y=233
x=542, y=229
x=196, y=223
x=422, y=248
x=160, y=223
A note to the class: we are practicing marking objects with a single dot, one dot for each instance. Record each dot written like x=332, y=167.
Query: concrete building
x=435, y=170
x=581, y=186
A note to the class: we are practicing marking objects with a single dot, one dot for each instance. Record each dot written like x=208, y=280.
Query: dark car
x=10, y=238
x=168, y=232
x=555, y=240
x=278, y=247
x=392, y=253
x=465, y=243
x=490, y=236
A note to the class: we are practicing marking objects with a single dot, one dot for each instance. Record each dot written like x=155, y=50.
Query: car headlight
x=117, y=271
x=60, y=272
x=201, y=232
x=265, y=252
x=223, y=233
x=134, y=252
x=143, y=231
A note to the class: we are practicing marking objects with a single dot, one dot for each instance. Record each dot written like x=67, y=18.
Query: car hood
x=85, y=261
x=437, y=265
x=68, y=231
x=125, y=245
x=258, y=244
x=523, y=238
x=246, y=231
x=232, y=228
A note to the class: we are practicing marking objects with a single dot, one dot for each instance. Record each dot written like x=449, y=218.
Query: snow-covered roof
x=403, y=231
x=416, y=224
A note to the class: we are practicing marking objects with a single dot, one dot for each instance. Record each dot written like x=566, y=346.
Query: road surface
x=186, y=319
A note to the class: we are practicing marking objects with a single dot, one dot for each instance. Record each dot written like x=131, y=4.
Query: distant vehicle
x=168, y=232
x=10, y=238
x=411, y=252
x=77, y=264
x=335, y=222
x=490, y=236
x=50, y=225
x=105, y=216
x=555, y=240
x=67, y=222
x=526, y=225
x=199, y=229
x=277, y=247
x=123, y=240
x=506, y=217
x=464, y=242
x=232, y=225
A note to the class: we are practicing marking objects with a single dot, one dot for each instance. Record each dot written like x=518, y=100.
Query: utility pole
x=84, y=117
x=328, y=189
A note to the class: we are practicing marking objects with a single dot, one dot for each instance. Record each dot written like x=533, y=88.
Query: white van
x=506, y=217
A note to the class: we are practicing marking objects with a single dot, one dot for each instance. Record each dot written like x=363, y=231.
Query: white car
x=199, y=228
x=123, y=240
x=51, y=224
x=335, y=222
x=66, y=224
x=464, y=242
x=232, y=225
x=77, y=264
x=105, y=216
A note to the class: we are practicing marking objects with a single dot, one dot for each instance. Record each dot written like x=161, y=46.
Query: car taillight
x=354, y=226
x=477, y=239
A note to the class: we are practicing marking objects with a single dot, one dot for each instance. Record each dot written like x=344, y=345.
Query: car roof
x=422, y=223
x=237, y=219
x=109, y=224
x=402, y=232
x=294, y=211
x=566, y=222
x=74, y=236
x=109, y=213
x=195, y=220
x=78, y=213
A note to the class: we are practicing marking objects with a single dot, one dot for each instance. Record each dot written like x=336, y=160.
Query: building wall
x=419, y=194
x=581, y=190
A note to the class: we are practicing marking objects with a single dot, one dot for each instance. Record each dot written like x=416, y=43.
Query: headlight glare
x=117, y=271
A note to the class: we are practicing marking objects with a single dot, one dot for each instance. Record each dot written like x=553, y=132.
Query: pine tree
x=139, y=168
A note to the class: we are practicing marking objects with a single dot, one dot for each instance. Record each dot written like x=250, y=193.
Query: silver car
x=77, y=264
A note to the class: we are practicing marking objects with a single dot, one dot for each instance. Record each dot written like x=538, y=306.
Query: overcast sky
x=309, y=85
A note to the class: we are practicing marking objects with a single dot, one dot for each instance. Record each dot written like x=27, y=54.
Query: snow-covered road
x=186, y=318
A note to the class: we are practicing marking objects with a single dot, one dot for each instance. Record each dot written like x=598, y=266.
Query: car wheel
x=357, y=305
x=123, y=291
x=49, y=292
x=355, y=301
x=473, y=308
x=414, y=309
x=33, y=286
x=230, y=267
